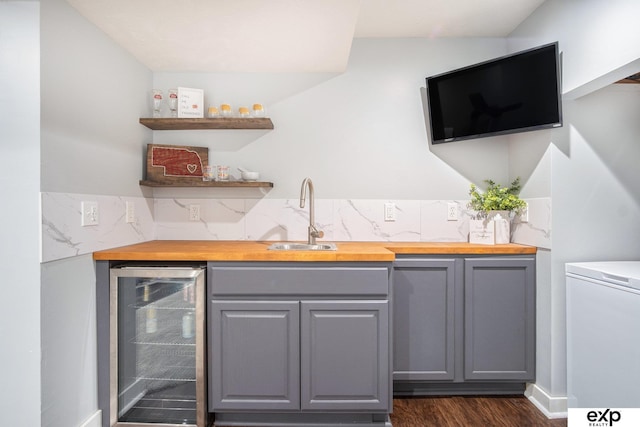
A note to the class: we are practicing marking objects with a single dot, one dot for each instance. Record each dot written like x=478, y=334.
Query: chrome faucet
x=313, y=231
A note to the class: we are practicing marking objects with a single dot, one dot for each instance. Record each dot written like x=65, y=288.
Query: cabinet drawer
x=267, y=280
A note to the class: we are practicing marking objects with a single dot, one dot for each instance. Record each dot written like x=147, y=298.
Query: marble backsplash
x=63, y=235
x=262, y=219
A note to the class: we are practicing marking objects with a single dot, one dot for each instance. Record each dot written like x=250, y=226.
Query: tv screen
x=515, y=93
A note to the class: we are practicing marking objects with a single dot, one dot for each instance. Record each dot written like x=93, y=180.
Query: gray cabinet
x=257, y=364
x=499, y=307
x=344, y=348
x=463, y=320
x=423, y=319
x=296, y=338
x=310, y=355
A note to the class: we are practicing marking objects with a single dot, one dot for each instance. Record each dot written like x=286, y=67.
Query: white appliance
x=603, y=334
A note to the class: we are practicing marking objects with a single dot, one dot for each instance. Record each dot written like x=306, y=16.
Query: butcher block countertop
x=222, y=250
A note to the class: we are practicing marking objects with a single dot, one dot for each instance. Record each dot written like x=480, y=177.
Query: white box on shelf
x=482, y=231
x=190, y=103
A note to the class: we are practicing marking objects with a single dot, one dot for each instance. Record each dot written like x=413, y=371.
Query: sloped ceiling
x=285, y=35
x=442, y=18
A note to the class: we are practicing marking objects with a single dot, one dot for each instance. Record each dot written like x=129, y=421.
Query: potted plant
x=493, y=209
x=496, y=198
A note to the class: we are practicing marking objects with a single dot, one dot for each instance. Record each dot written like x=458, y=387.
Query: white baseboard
x=550, y=406
x=94, y=420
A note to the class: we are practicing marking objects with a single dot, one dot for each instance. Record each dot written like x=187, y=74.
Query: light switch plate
x=130, y=213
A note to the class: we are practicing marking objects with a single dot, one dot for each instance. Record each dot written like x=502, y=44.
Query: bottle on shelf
x=152, y=321
x=188, y=325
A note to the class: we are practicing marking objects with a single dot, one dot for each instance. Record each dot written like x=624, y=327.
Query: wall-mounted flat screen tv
x=515, y=93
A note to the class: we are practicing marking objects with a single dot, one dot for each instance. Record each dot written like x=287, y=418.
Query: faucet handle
x=313, y=234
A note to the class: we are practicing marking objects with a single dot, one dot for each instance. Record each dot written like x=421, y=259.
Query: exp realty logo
x=602, y=418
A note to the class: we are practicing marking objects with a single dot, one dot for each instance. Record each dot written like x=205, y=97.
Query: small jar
x=223, y=173
x=258, y=110
x=208, y=173
x=243, y=112
x=213, y=112
x=225, y=110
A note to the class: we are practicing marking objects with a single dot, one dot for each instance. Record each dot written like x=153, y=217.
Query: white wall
x=93, y=93
x=596, y=189
x=19, y=216
x=69, y=393
x=588, y=165
x=596, y=193
x=597, y=40
x=360, y=134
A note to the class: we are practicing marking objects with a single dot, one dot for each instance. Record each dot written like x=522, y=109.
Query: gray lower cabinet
x=499, y=308
x=344, y=355
x=423, y=319
x=257, y=363
x=289, y=355
x=463, y=320
x=298, y=339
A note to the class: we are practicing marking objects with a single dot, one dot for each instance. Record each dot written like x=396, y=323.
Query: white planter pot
x=492, y=230
x=502, y=221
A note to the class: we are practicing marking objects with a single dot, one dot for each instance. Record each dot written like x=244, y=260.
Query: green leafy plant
x=496, y=198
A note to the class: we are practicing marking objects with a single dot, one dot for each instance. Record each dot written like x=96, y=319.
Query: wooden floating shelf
x=224, y=184
x=206, y=123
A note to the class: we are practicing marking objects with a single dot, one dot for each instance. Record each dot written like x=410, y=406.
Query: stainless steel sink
x=303, y=247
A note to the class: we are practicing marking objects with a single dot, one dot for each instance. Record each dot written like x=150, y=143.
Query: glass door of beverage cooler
x=157, y=346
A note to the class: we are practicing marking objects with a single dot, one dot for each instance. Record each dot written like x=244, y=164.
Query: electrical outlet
x=90, y=213
x=130, y=212
x=452, y=211
x=194, y=212
x=389, y=211
x=524, y=214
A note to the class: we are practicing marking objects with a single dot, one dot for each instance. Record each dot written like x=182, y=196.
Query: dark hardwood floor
x=470, y=411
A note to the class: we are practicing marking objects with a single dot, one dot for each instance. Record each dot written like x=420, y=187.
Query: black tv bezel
x=493, y=61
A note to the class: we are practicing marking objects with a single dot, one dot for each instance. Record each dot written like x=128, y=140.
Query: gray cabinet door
x=423, y=319
x=499, y=319
x=254, y=355
x=344, y=355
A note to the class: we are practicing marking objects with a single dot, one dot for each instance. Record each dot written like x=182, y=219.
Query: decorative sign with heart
x=172, y=164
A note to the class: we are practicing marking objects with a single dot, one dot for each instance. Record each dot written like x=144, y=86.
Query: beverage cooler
x=157, y=366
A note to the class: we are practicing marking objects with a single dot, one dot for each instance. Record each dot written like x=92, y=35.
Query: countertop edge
x=214, y=250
